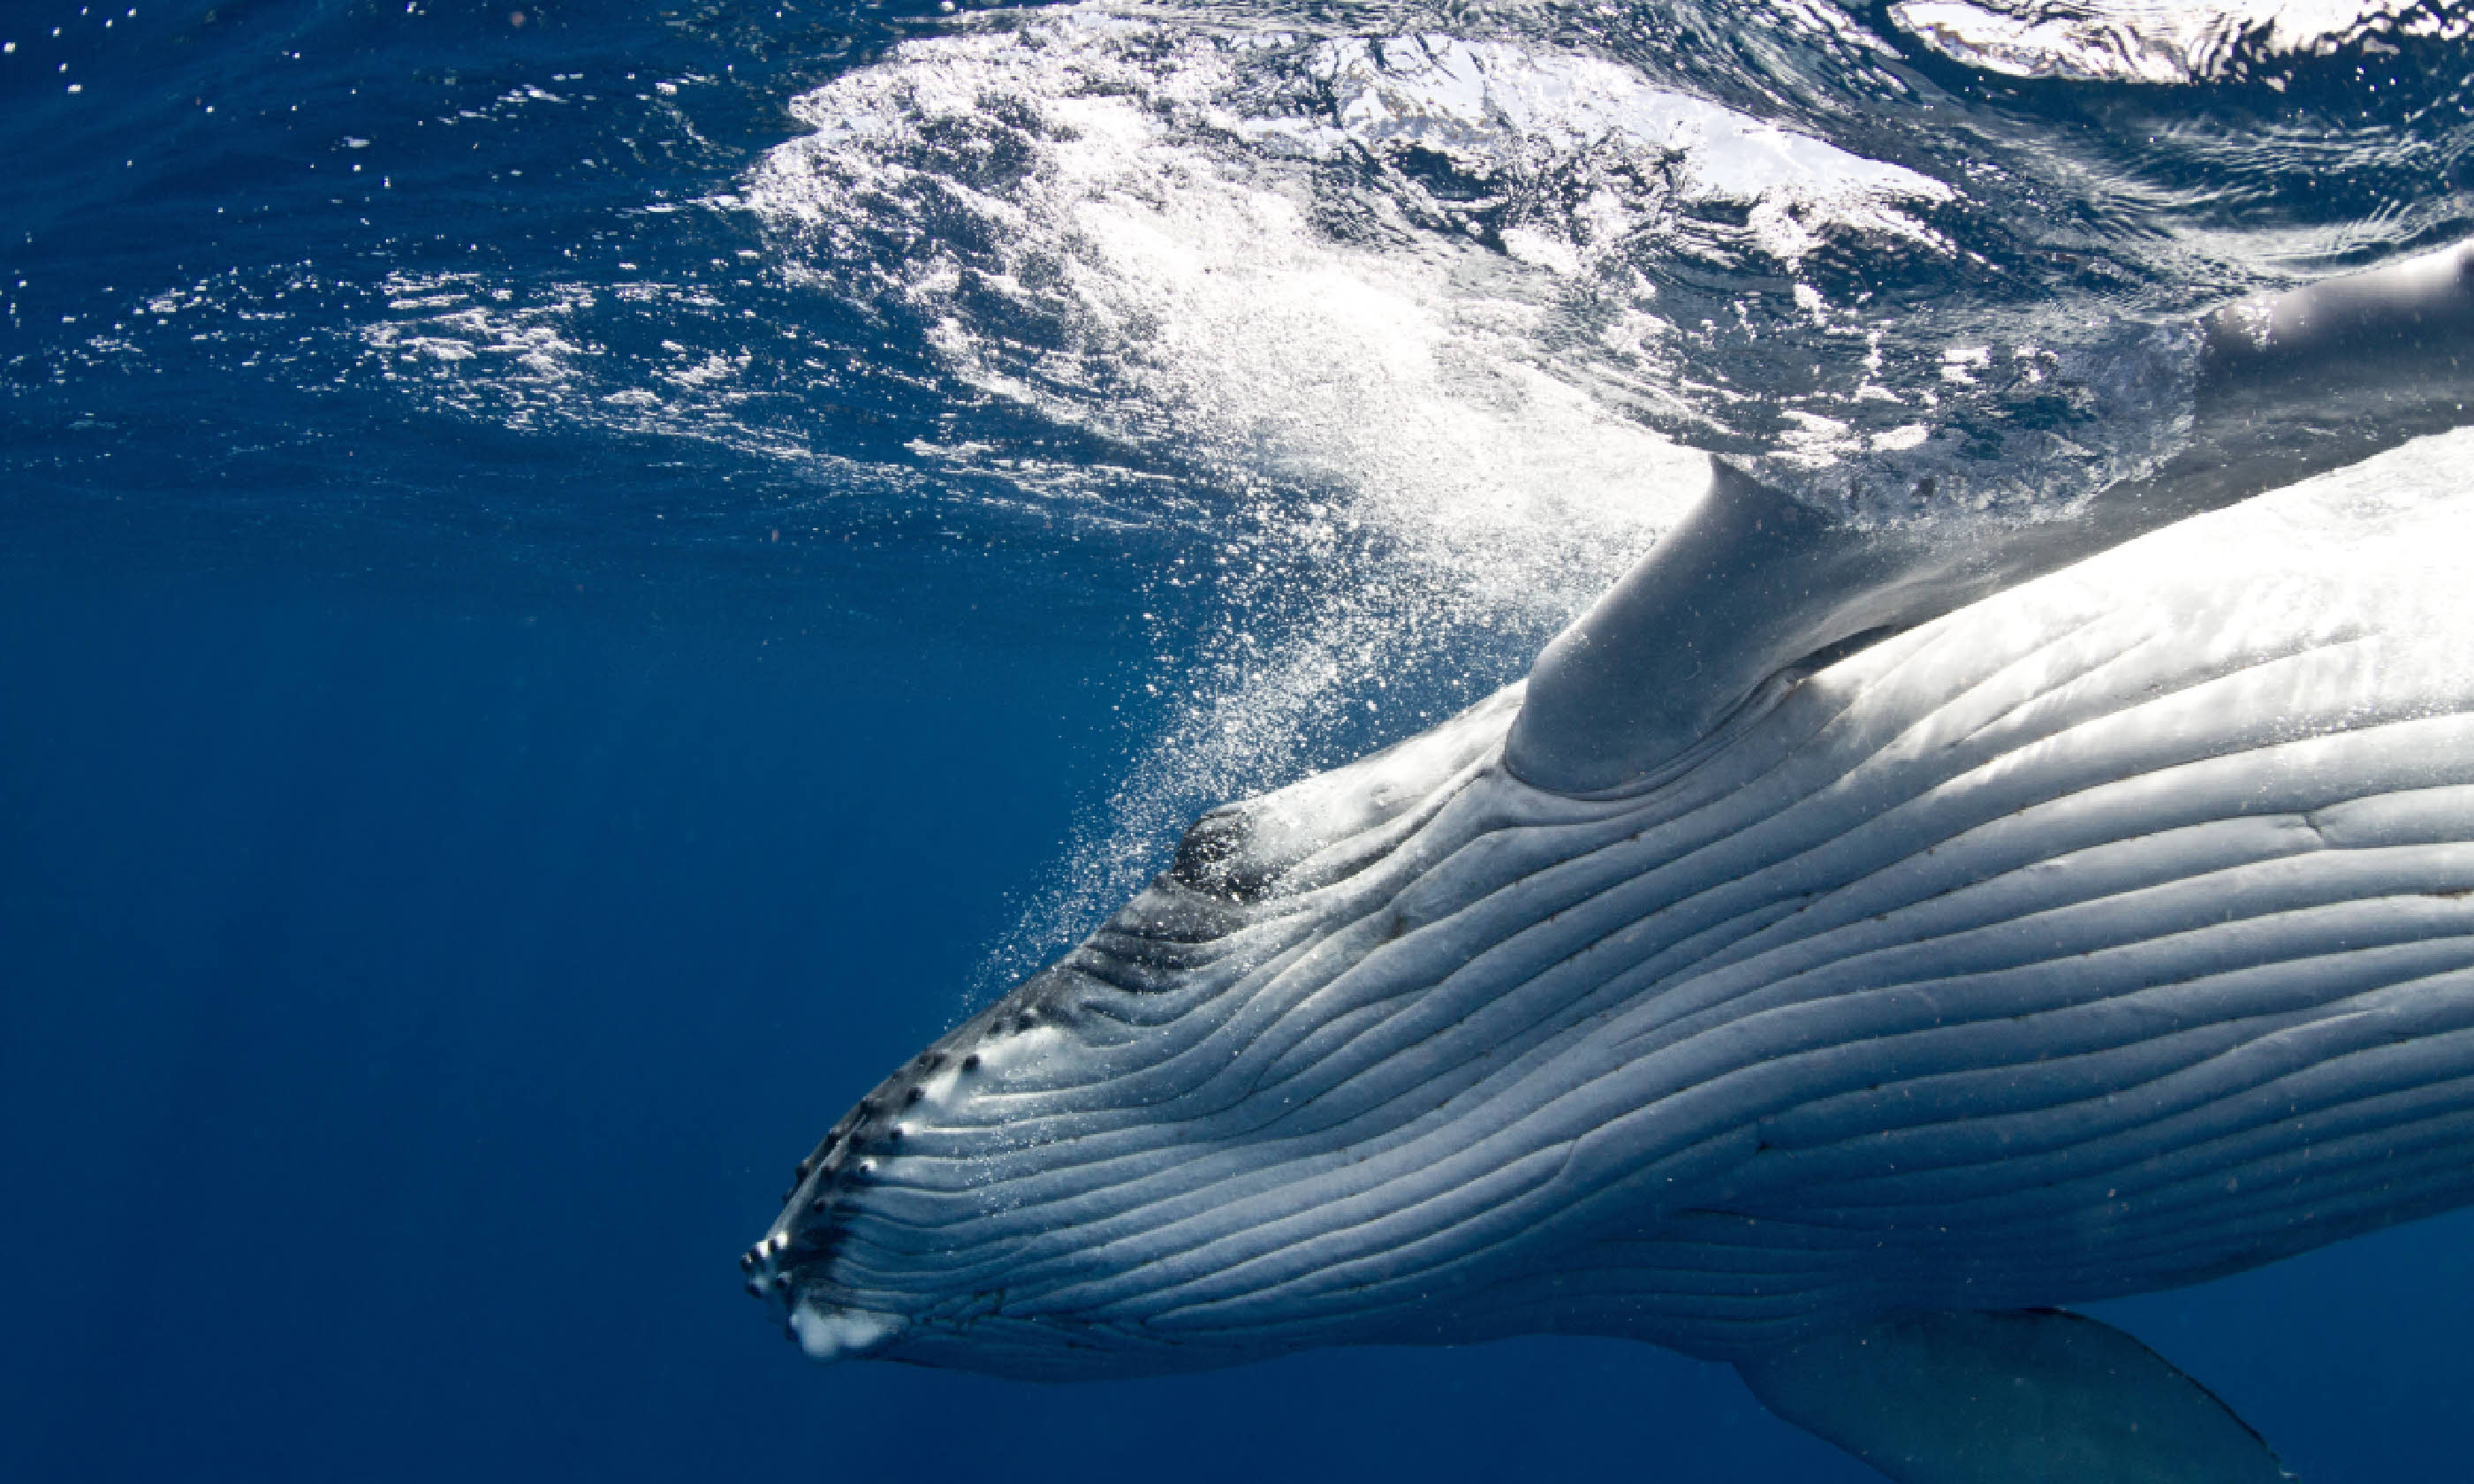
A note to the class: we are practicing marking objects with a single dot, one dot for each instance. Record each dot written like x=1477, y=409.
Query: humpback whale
x=1847, y=948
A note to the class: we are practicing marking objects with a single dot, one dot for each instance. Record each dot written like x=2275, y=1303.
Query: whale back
x=2114, y=931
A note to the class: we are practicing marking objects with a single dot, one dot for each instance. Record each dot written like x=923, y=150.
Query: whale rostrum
x=1946, y=942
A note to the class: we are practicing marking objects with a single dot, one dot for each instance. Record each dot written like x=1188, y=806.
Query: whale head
x=1150, y=1155
x=909, y=1233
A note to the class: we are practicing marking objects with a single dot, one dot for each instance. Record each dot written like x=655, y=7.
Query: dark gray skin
x=1752, y=582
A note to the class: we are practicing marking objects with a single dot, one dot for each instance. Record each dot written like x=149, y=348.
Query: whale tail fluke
x=2026, y=1396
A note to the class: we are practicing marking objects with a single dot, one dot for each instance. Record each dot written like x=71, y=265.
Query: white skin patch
x=831, y=1336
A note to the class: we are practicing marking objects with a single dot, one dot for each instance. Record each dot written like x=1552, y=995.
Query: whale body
x=2108, y=932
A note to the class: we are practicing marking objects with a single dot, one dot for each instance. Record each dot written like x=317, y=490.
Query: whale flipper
x=2025, y=1397
x=1754, y=584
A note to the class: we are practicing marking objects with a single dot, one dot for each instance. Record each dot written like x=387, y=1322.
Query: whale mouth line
x=841, y=1333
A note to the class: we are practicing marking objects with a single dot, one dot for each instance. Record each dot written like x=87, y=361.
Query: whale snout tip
x=841, y=1333
x=826, y=1331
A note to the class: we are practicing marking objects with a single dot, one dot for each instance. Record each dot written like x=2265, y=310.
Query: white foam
x=1502, y=103
x=1131, y=242
x=2160, y=43
x=1129, y=276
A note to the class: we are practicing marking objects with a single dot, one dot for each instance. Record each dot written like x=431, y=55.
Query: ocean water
x=578, y=581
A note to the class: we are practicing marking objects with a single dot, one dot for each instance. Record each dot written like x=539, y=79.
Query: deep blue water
x=548, y=638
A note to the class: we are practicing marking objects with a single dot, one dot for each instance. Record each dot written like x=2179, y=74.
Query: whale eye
x=970, y=1063
x=914, y=1096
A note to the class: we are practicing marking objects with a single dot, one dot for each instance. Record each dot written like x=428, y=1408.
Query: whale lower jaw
x=2115, y=932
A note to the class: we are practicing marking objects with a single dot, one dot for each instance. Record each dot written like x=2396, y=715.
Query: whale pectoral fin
x=1752, y=583
x=2030, y=1396
x=1749, y=584
x=1749, y=587
x=2317, y=378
